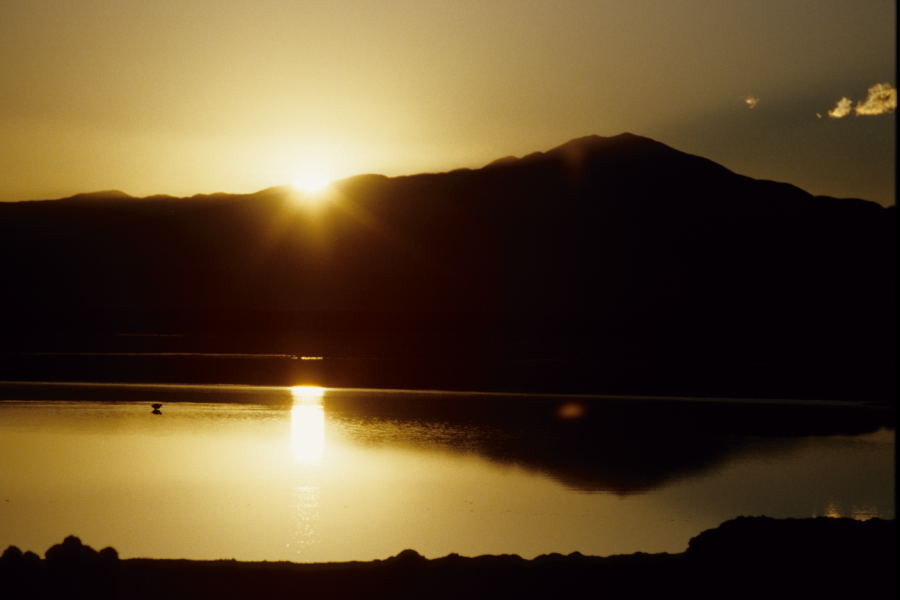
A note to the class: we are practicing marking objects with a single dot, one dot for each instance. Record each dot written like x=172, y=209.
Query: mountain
x=615, y=263
x=101, y=196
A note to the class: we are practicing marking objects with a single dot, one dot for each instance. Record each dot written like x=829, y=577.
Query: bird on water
x=156, y=408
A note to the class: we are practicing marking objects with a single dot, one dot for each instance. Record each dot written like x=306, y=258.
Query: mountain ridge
x=578, y=149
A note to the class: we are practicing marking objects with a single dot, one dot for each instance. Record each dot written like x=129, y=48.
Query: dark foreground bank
x=745, y=557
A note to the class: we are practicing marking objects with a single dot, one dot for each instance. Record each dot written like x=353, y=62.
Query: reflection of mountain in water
x=616, y=445
x=621, y=445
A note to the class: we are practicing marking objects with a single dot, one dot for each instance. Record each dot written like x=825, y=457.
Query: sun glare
x=311, y=182
x=307, y=394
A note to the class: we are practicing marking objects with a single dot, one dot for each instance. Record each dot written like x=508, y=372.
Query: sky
x=199, y=96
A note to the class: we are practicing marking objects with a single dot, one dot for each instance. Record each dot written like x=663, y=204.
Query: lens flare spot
x=570, y=410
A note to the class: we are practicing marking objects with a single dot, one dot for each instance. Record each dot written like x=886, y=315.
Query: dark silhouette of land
x=604, y=265
x=743, y=558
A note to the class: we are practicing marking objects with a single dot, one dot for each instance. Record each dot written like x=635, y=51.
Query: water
x=307, y=474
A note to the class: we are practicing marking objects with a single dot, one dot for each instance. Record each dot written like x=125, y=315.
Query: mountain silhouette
x=613, y=263
x=99, y=196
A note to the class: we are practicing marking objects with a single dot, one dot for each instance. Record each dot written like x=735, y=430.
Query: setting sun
x=311, y=181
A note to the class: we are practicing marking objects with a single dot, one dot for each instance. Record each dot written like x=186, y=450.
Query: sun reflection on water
x=306, y=520
x=308, y=424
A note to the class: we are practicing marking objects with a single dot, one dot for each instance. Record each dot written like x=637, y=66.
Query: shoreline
x=452, y=373
x=242, y=387
x=448, y=392
x=743, y=557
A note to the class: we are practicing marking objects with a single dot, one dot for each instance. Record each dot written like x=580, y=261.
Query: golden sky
x=191, y=96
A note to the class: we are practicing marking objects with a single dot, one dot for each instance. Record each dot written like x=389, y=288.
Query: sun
x=311, y=181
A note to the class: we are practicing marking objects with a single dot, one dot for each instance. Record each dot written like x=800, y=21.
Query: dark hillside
x=622, y=263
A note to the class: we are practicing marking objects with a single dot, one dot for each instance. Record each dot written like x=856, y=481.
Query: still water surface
x=306, y=474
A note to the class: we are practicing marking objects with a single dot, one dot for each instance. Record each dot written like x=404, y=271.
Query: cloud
x=841, y=109
x=882, y=99
x=751, y=102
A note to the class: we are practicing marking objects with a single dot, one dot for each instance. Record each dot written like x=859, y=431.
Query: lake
x=313, y=474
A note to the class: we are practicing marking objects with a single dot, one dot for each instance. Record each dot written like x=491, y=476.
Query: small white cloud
x=882, y=99
x=843, y=108
x=751, y=102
